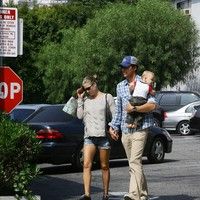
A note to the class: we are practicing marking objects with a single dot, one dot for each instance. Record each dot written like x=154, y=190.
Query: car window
x=197, y=107
x=158, y=96
x=19, y=115
x=188, y=98
x=168, y=99
x=192, y=108
x=50, y=114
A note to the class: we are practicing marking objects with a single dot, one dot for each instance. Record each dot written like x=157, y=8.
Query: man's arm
x=147, y=107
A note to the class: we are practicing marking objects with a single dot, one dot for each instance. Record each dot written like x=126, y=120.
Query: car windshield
x=19, y=115
x=50, y=114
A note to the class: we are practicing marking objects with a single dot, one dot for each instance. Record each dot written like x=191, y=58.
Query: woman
x=92, y=109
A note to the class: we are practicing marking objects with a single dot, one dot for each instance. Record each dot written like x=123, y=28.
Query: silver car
x=179, y=120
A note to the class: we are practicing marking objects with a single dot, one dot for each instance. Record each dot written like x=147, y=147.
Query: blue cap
x=128, y=60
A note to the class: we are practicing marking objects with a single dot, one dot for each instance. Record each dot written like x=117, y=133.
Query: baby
x=142, y=88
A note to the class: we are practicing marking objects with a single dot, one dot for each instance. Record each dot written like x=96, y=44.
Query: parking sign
x=8, y=32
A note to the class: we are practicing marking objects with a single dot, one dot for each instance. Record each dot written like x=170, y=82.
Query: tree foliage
x=164, y=40
x=41, y=26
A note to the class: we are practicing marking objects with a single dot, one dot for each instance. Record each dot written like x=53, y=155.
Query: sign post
x=11, y=89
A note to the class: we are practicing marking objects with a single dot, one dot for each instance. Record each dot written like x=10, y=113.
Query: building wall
x=195, y=12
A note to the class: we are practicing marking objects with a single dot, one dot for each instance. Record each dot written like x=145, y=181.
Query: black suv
x=173, y=100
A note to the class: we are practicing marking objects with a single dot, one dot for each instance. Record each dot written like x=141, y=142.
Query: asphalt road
x=178, y=178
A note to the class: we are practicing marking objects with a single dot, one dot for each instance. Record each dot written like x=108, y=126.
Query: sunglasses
x=88, y=88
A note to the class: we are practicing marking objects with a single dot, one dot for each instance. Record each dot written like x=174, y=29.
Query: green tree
x=100, y=2
x=41, y=26
x=164, y=40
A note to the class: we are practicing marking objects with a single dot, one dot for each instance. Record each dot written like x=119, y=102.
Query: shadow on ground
x=176, y=197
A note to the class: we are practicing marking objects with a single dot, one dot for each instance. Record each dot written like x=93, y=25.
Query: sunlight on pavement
x=120, y=195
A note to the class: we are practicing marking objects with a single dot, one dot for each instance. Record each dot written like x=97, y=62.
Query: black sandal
x=105, y=197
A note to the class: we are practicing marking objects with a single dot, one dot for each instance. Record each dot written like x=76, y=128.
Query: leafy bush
x=18, y=147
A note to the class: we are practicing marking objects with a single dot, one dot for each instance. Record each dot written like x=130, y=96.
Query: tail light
x=165, y=115
x=49, y=134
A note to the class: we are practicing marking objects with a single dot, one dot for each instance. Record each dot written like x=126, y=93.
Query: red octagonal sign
x=11, y=89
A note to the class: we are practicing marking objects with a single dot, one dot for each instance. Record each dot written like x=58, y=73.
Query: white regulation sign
x=8, y=32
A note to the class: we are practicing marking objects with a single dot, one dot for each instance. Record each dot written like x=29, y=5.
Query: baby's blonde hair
x=147, y=73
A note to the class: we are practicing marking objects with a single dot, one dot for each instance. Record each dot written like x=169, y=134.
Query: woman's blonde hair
x=89, y=80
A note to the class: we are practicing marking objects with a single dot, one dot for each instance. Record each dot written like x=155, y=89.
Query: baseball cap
x=128, y=60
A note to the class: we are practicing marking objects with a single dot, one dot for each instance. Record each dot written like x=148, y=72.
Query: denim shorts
x=100, y=142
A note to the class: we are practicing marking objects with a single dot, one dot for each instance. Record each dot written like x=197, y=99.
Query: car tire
x=157, y=151
x=183, y=128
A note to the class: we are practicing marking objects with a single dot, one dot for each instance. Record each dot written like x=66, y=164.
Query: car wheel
x=77, y=162
x=157, y=152
x=183, y=128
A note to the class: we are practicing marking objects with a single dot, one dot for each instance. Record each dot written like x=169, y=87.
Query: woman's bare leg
x=104, y=155
x=88, y=155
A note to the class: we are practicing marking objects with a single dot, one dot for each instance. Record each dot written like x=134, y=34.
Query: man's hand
x=129, y=108
x=114, y=134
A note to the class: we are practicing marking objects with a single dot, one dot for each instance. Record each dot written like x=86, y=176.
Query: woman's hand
x=80, y=92
x=114, y=134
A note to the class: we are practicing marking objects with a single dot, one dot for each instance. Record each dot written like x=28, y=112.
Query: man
x=133, y=139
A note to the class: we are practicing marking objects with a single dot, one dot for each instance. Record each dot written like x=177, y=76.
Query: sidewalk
x=13, y=198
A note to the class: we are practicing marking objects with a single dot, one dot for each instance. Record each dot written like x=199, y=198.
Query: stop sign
x=11, y=89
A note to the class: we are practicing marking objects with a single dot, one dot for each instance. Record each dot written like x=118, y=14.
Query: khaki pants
x=134, y=145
